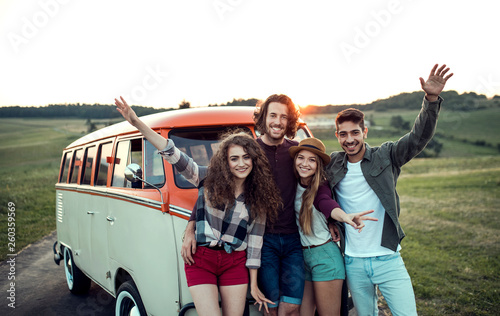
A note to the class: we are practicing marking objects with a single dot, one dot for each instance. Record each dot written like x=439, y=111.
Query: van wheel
x=78, y=282
x=128, y=301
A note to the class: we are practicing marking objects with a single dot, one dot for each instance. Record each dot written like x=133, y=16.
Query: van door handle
x=90, y=213
x=110, y=219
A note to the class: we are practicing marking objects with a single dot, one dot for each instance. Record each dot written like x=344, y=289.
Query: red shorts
x=217, y=267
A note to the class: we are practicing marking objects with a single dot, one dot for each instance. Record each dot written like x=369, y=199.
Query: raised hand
x=436, y=82
x=153, y=137
x=126, y=111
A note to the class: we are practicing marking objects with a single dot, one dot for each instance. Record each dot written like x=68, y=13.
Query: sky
x=159, y=53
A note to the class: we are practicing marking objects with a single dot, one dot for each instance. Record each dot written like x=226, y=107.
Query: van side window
x=76, y=165
x=127, y=152
x=153, y=166
x=89, y=161
x=200, y=154
x=65, y=167
x=199, y=144
x=301, y=134
x=102, y=170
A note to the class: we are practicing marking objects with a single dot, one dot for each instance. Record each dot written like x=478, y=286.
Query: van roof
x=193, y=117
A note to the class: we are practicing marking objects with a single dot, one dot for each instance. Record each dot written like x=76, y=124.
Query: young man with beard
x=281, y=275
x=364, y=177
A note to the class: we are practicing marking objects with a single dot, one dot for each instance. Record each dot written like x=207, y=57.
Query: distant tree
x=184, y=105
x=396, y=121
x=238, y=102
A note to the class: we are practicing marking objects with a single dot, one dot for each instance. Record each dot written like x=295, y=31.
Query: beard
x=353, y=153
x=273, y=134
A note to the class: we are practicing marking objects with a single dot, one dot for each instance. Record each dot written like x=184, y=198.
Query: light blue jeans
x=390, y=274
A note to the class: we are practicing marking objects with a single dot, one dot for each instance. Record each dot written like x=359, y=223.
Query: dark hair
x=293, y=114
x=350, y=115
x=261, y=194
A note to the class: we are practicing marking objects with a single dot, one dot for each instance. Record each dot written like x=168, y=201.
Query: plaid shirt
x=184, y=164
x=231, y=228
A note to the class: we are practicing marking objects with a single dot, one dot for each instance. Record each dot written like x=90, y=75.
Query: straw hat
x=313, y=145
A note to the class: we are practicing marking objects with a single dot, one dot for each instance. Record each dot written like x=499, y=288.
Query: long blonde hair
x=306, y=209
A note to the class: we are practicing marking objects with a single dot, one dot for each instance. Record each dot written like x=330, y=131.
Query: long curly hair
x=260, y=114
x=261, y=193
x=306, y=209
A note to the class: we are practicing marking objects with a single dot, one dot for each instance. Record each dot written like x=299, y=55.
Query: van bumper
x=57, y=254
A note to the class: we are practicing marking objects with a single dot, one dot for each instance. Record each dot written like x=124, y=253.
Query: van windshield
x=199, y=144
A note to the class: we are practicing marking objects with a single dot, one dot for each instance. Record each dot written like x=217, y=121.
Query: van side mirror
x=133, y=173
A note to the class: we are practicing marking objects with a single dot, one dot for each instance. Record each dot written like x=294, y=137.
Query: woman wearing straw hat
x=314, y=206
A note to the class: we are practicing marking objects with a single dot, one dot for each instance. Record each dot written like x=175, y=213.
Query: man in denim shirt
x=364, y=177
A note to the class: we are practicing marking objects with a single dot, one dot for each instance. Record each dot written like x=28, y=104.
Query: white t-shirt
x=320, y=233
x=355, y=195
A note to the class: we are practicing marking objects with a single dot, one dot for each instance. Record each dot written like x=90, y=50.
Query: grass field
x=452, y=248
x=457, y=131
x=449, y=213
x=30, y=153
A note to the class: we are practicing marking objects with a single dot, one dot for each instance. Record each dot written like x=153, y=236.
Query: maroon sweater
x=282, y=168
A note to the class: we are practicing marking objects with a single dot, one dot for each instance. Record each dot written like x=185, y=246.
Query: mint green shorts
x=324, y=263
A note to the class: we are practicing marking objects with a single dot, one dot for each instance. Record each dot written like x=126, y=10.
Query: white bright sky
x=157, y=53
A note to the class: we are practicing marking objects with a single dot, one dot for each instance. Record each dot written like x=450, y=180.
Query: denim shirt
x=381, y=167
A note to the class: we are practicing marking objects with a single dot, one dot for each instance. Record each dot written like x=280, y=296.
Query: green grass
x=30, y=153
x=475, y=125
x=452, y=249
x=457, y=131
x=449, y=206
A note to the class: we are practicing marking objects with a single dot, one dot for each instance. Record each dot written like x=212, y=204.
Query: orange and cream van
x=126, y=235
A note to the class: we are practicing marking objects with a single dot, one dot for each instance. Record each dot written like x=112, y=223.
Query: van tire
x=128, y=300
x=78, y=282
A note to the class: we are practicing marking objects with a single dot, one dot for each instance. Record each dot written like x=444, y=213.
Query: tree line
x=85, y=111
x=454, y=101
x=469, y=101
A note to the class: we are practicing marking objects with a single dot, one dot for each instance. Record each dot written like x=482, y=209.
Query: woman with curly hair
x=230, y=215
x=314, y=206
